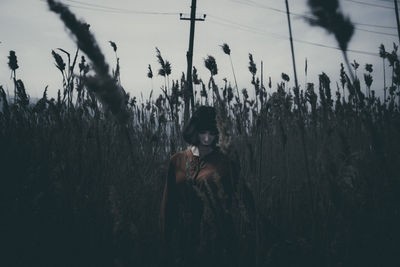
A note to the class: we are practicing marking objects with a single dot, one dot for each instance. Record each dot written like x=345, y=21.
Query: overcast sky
x=257, y=27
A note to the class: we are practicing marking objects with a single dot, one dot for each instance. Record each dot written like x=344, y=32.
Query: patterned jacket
x=196, y=214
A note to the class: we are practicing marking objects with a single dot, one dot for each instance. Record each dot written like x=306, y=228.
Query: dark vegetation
x=82, y=174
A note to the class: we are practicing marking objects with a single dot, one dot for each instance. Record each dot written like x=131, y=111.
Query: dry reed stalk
x=103, y=85
x=327, y=15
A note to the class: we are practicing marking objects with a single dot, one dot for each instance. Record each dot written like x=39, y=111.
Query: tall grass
x=102, y=84
x=327, y=14
x=76, y=191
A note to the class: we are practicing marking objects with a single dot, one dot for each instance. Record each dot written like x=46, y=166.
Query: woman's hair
x=203, y=119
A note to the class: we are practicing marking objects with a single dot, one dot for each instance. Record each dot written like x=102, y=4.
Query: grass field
x=82, y=174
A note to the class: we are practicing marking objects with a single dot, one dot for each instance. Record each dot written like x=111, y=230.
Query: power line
x=225, y=22
x=273, y=35
x=123, y=10
x=369, y=4
x=247, y=28
x=382, y=33
x=310, y=43
x=248, y=2
x=387, y=2
x=373, y=25
x=89, y=8
x=242, y=27
x=106, y=9
x=257, y=4
x=94, y=5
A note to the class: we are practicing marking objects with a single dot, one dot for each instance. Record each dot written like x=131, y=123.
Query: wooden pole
x=262, y=75
x=397, y=18
x=188, y=94
x=291, y=45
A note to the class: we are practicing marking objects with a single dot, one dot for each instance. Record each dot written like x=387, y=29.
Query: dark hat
x=204, y=118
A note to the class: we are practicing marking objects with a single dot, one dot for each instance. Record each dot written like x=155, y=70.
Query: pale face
x=206, y=138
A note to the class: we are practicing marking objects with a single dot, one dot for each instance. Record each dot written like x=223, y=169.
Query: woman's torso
x=204, y=188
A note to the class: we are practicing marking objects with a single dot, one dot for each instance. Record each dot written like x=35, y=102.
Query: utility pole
x=189, y=56
x=262, y=74
x=262, y=86
x=397, y=18
x=291, y=45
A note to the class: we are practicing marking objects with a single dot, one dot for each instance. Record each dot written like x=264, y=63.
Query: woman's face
x=206, y=137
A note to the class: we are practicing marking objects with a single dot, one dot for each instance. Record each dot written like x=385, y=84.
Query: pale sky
x=256, y=26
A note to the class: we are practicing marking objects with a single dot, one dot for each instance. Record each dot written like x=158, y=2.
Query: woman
x=196, y=220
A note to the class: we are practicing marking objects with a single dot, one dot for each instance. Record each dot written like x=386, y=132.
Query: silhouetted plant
x=116, y=72
x=13, y=65
x=327, y=15
x=225, y=47
x=103, y=85
x=383, y=55
x=316, y=171
x=165, y=69
x=211, y=65
x=150, y=75
x=368, y=78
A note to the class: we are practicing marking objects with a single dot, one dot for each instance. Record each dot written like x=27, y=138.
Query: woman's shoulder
x=217, y=155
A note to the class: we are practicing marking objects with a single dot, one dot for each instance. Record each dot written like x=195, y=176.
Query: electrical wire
x=246, y=27
x=247, y=2
x=123, y=10
x=382, y=33
x=224, y=22
x=369, y=4
x=257, y=4
x=376, y=26
x=106, y=9
x=235, y=25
